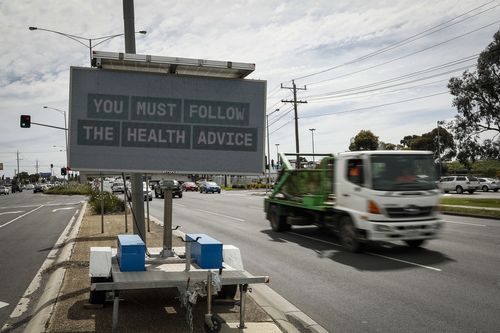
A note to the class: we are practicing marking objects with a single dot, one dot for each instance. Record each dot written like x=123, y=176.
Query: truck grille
x=409, y=211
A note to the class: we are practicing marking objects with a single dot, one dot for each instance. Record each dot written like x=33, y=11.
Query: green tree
x=439, y=141
x=477, y=99
x=364, y=140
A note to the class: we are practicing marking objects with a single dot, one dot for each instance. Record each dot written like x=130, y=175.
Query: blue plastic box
x=206, y=251
x=131, y=253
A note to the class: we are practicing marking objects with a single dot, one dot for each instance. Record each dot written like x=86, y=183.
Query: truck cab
x=389, y=195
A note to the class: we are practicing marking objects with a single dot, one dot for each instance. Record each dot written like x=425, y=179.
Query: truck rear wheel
x=348, y=235
x=278, y=222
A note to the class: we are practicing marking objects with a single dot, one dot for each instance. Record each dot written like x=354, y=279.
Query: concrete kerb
x=61, y=252
x=287, y=316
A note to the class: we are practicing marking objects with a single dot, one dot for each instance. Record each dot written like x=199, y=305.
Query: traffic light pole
x=61, y=128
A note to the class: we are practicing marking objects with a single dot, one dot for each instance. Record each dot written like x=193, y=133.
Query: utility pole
x=18, y=172
x=136, y=179
x=36, y=167
x=294, y=88
x=312, y=135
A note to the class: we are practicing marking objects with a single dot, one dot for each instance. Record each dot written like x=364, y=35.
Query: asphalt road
x=30, y=225
x=450, y=285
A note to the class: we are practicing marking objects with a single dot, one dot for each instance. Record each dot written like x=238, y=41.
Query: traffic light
x=51, y=166
x=25, y=121
x=63, y=171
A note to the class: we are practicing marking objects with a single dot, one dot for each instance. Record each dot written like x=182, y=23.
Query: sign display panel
x=149, y=122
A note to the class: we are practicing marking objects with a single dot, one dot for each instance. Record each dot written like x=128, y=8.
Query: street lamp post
x=439, y=122
x=65, y=127
x=269, y=151
x=277, y=155
x=80, y=39
x=312, y=136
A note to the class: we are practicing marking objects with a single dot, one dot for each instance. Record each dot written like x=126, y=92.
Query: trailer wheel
x=348, y=235
x=278, y=222
x=414, y=242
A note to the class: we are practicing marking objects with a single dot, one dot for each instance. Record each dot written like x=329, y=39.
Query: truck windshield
x=403, y=172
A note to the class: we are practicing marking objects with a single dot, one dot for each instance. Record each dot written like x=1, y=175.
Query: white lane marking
x=226, y=216
x=373, y=254
x=17, y=218
x=404, y=261
x=180, y=205
x=48, y=205
x=19, y=211
x=3, y=304
x=477, y=225
x=65, y=208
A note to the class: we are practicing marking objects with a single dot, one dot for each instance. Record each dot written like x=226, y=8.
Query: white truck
x=364, y=196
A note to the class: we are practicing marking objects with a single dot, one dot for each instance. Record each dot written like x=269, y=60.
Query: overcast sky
x=342, y=51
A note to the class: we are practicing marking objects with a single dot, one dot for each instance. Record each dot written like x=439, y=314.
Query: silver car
x=488, y=184
x=459, y=184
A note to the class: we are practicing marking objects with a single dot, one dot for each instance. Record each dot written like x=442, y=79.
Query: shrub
x=70, y=189
x=112, y=204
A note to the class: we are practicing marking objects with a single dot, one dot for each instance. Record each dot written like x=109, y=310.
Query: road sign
x=150, y=122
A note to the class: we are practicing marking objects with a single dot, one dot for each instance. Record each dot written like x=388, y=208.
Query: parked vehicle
x=364, y=196
x=459, y=184
x=209, y=187
x=176, y=188
x=118, y=187
x=30, y=187
x=4, y=190
x=488, y=184
x=39, y=188
x=189, y=186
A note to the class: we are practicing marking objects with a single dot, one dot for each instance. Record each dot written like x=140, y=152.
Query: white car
x=118, y=187
x=488, y=184
x=459, y=184
x=4, y=190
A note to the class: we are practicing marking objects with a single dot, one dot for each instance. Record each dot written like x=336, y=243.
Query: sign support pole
x=136, y=179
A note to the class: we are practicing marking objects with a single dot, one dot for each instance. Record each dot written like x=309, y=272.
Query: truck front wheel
x=278, y=222
x=414, y=242
x=348, y=235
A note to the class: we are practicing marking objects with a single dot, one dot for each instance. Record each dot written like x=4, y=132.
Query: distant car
x=209, y=187
x=30, y=187
x=39, y=188
x=118, y=187
x=176, y=189
x=459, y=184
x=189, y=186
x=488, y=184
x=4, y=190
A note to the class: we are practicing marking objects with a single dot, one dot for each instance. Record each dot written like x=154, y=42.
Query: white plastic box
x=100, y=261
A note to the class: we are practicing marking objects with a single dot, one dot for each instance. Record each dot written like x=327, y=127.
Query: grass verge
x=489, y=203
x=477, y=207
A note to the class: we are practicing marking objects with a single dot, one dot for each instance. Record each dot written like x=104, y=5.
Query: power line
x=408, y=75
x=288, y=122
x=404, y=41
x=412, y=53
x=334, y=95
x=281, y=117
x=376, y=106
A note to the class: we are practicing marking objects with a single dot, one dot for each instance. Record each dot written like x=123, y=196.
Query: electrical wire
x=404, y=41
x=376, y=106
x=410, y=54
x=401, y=77
x=281, y=116
x=334, y=95
x=288, y=122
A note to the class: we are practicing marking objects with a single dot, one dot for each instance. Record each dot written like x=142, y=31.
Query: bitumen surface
x=64, y=303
